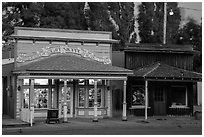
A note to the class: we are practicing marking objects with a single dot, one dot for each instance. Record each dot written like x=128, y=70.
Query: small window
x=41, y=81
x=25, y=81
x=81, y=81
x=91, y=81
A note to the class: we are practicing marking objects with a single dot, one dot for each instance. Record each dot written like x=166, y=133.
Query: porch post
x=124, y=118
x=146, y=98
x=95, y=119
x=65, y=101
x=31, y=102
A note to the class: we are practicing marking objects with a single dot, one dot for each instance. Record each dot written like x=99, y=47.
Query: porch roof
x=71, y=65
x=166, y=72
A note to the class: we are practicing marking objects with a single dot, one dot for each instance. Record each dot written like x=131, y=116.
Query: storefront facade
x=163, y=82
x=67, y=70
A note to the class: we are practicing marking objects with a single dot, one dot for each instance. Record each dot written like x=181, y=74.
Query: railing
x=179, y=111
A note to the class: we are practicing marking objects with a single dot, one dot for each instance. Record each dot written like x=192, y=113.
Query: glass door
x=68, y=99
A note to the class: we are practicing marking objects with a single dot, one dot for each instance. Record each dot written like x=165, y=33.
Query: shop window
x=41, y=98
x=26, y=98
x=82, y=97
x=91, y=97
x=138, y=96
x=179, y=96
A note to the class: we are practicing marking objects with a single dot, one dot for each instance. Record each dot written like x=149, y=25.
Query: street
x=108, y=131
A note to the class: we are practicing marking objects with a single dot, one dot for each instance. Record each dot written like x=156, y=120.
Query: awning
x=71, y=66
x=161, y=71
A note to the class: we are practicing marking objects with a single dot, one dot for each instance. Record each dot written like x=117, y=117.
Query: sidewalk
x=110, y=122
x=76, y=125
x=8, y=122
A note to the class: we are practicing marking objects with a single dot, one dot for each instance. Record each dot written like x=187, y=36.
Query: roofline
x=177, y=79
x=64, y=39
x=160, y=51
x=75, y=72
x=61, y=30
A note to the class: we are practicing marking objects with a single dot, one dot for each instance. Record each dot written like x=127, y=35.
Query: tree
x=66, y=15
x=191, y=34
x=41, y=14
x=151, y=19
x=19, y=14
x=117, y=17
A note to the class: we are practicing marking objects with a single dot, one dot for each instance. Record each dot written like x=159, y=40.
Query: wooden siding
x=135, y=60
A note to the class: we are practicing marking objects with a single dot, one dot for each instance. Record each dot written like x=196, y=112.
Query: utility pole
x=165, y=21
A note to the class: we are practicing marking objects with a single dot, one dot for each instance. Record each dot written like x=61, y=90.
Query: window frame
x=138, y=106
x=186, y=96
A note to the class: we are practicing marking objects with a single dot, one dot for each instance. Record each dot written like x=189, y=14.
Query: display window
x=81, y=97
x=41, y=98
x=138, y=96
x=26, y=96
x=91, y=97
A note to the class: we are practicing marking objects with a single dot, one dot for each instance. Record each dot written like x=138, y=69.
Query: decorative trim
x=48, y=51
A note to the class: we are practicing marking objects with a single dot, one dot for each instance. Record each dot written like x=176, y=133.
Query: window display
x=91, y=97
x=81, y=97
x=138, y=96
x=41, y=98
x=26, y=101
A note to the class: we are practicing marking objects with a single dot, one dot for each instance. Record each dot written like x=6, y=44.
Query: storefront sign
x=45, y=52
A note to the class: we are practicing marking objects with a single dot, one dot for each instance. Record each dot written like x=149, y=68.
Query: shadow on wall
x=117, y=97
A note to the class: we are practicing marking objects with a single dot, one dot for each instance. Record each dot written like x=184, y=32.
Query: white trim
x=7, y=61
x=74, y=77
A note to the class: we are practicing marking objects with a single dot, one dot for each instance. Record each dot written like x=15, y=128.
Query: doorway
x=5, y=85
x=69, y=100
x=159, y=101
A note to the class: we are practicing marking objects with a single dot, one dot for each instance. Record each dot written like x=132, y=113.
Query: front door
x=69, y=100
x=159, y=101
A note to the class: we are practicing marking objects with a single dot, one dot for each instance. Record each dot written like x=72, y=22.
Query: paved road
x=108, y=131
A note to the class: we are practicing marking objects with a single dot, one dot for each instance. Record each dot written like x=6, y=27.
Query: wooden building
x=163, y=81
x=67, y=70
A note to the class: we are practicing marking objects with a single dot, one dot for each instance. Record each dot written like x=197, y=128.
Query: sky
x=189, y=9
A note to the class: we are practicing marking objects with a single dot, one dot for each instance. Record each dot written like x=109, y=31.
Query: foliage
x=151, y=19
x=117, y=17
x=191, y=34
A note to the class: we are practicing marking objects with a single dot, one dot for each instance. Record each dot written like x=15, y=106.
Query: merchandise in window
x=91, y=97
x=138, y=96
x=41, y=98
x=81, y=97
x=26, y=98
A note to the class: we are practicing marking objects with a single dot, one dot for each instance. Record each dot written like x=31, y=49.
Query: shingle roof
x=70, y=63
x=160, y=70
